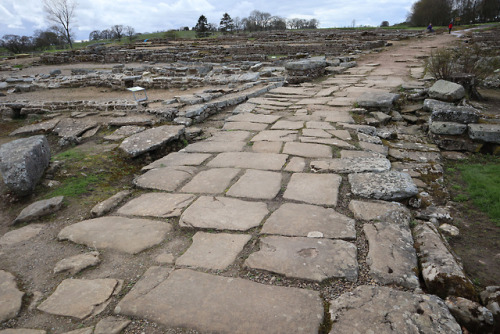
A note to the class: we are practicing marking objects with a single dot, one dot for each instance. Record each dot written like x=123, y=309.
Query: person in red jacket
x=450, y=26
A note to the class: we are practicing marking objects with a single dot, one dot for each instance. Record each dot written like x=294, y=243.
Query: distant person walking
x=450, y=26
x=429, y=28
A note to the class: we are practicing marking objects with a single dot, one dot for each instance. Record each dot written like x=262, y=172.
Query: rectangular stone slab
x=254, y=118
x=215, y=147
x=320, y=189
x=161, y=205
x=257, y=184
x=308, y=150
x=223, y=213
x=276, y=135
x=215, y=304
x=151, y=139
x=211, y=181
x=249, y=126
x=265, y=161
x=179, y=159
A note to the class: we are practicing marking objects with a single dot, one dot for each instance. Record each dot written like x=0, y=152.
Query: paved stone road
x=278, y=177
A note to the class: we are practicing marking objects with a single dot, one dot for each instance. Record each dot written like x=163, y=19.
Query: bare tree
x=117, y=31
x=130, y=32
x=61, y=12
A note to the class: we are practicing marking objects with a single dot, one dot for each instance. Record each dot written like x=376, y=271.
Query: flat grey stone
x=132, y=120
x=391, y=257
x=369, y=139
x=111, y=325
x=254, y=118
x=376, y=210
x=276, y=135
x=473, y=316
x=306, y=258
x=319, y=125
x=381, y=149
x=125, y=131
x=415, y=155
x=299, y=220
x=23, y=162
x=349, y=154
x=327, y=141
x=179, y=159
x=69, y=127
x=215, y=147
x=77, y=263
x=102, y=208
x=22, y=331
x=447, y=128
x=39, y=209
x=79, y=298
x=448, y=112
x=342, y=134
x=316, y=133
x=230, y=136
x=352, y=165
x=257, y=184
x=320, y=189
x=381, y=100
x=267, y=146
x=223, y=214
x=489, y=133
x=117, y=233
x=86, y=330
x=446, y=91
x=308, y=150
x=296, y=165
x=390, y=185
x=287, y=125
x=442, y=273
x=151, y=139
x=168, y=178
x=21, y=235
x=248, y=126
x=37, y=128
x=250, y=160
x=161, y=205
x=339, y=116
x=374, y=309
x=213, y=251
x=366, y=129
x=265, y=308
x=10, y=296
x=212, y=181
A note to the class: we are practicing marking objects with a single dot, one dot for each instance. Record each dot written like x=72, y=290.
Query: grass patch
x=75, y=186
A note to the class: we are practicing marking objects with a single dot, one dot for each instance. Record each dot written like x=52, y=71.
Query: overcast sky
x=23, y=17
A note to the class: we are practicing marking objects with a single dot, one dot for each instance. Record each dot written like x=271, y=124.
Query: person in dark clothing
x=429, y=28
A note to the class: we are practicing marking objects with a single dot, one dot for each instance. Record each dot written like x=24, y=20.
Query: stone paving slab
x=296, y=165
x=376, y=210
x=267, y=146
x=254, y=118
x=391, y=257
x=303, y=220
x=320, y=189
x=179, y=159
x=381, y=149
x=10, y=296
x=22, y=331
x=21, y=235
x=265, y=161
x=319, y=125
x=68, y=127
x=38, y=128
x=151, y=139
x=212, y=181
x=75, y=264
x=306, y=258
x=160, y=205
x=39, y=209
x=350, y=154
x=316, y=133
x=167, y=179
x=117, y=233
x=340, y=116
x=415, y=155
x=213, y=251
x=276, y=135
x=79, y=298
x=247, y=126
x=214, y=147
x=230, y=136
x=287, y=125
x=327, y=141
x=307, y=150
x=391, y=185
x=257, y=184
x=125, y=131
x=223, y=214
x=352, y=165
x=372, y=309
x=193, y=300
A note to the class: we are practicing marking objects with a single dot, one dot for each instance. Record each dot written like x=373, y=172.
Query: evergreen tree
x=226, y=23
x=201, y=27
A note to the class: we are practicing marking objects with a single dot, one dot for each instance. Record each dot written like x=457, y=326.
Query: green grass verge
x=483, y=187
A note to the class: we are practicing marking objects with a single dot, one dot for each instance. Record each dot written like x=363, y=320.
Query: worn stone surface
x=77, y=263
x=21, y=235
x=72, y=128
x=320, y=189
x=267, y=146
x=308, y=150
x=276, y=135
x=10, y=296
x=489, y=133
x=86, y=330
x=22, y=331
x=214, y=147
x=490, y=298
x=379, y=100
x=352, y=165
x=168, y=178
x=391, y=257
x=223, y=214
x=347, y=154
x=299, y=220
x=254, y=118
x=371, y=309
x=230, y=136
x=441, y=272
x=211, y=181
x=79, y=298
x=446, y=91
x=447, y=128
x=39, y=209
x=159, y=205
x=213, y=251
x=448, y=112
x=179, y=159
x=306, y=258
x=414, y=155
x=390, y=185
x=473, y=316
x=102, y=208
x=32, y=129
x=296, y=165
x=376, y=210
x=125, y=131
x=248, y=126
x=265, y=161
x=132, y=120
x=111, y=325
x=265, y=308
x=151, y=139
x=22, y=163
x=327, y=141
x=381, y=149
x=117, y=233
x=257, y=184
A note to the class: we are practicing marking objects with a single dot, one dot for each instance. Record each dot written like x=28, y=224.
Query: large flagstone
x=276, y=135
x=390, y=185
x=10, y=296
x=179, y=159
x=320, y=189
x=212, y=181
x=215, y=146
x=168, y=178
x=257, y=184
x=161, y=205
x=251, y=160
x=254, y=118
x=308, y=150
